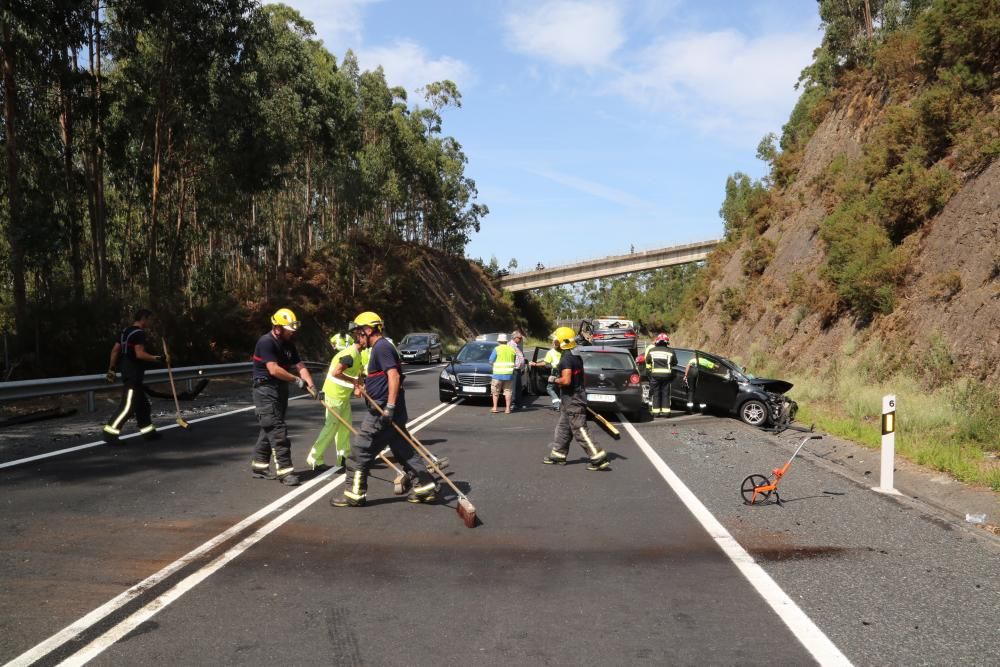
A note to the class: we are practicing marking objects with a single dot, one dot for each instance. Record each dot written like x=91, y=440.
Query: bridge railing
x=90, y=384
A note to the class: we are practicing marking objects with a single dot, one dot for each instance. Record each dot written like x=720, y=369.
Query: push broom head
x=182, y=423
x=467, y=512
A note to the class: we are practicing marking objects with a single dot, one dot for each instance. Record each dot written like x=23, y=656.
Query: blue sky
x=591, y=126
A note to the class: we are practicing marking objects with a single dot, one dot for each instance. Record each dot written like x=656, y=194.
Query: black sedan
x=722, y=385
x=610, y=377
x=469, y=373
x=420, y=347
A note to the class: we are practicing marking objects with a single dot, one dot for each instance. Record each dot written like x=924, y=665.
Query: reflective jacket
x=335, y=388
x=659, y=360
x=503, y=357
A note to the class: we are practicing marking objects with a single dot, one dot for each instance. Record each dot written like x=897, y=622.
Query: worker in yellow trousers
x=339, y=387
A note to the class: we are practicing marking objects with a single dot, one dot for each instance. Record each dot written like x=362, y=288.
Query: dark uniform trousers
x=375, y=435
x=659, y=389
x=270, y=401
x=573, y=424
x=692, y=385
x=133, y=402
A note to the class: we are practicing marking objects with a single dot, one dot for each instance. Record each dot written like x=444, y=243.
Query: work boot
x=348, y=499
x=355, y=490
x=110, y=438
x=424, y=489
x=291, y=479
x=261, y=470
x=599, y=462
x=555, y=458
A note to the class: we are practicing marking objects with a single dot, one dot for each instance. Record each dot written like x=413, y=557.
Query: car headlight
x=445, y=375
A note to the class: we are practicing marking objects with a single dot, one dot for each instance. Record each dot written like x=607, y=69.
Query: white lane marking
x=123, y=628
x=812, y=638
x=165, y=427
x=73, y=630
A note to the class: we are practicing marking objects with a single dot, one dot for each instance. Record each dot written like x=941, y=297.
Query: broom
x=173, y=389
x=466, y=510
x=397, y=483
x=608, y=426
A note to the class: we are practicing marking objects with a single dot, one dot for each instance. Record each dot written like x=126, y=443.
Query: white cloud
x=594, y=189
x=338, y=23
x=408, y=64
x=568, y=32
x=721, y=79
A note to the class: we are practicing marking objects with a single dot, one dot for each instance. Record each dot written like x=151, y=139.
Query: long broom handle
x=339, y=418
x=416, y=446
x=170, y=374
x=351, y=429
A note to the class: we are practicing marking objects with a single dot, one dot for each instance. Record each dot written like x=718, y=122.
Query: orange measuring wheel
x=757, y=489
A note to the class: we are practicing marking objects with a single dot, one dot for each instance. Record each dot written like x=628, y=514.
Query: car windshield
x=613, y=324
x=607, y=361
x=414, y=340
x=473, y=353
x=739, y=369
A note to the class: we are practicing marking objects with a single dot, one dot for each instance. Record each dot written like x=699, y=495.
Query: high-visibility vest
x=659, y=360
x=335, y=387
x=504, y=363
x=552, y=358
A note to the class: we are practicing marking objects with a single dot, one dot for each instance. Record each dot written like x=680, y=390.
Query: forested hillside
x=196, y=155
x=868, y=260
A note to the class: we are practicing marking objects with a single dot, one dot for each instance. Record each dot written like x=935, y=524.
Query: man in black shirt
x=131, y=349
x=274, y=357
x=573, y=408
x=384, y=383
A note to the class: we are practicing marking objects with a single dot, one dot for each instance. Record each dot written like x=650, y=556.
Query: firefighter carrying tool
x=660, y=364
x=387, y=406
x=573, y=411
x=274, y=358
x=131, y=349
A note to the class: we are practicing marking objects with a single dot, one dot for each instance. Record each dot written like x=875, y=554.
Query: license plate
x=601, y=398
x=474, y=390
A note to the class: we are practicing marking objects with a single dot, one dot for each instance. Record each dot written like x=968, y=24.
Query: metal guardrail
x=89, y=384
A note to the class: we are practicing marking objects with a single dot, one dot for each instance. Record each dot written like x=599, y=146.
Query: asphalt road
x=569, y=567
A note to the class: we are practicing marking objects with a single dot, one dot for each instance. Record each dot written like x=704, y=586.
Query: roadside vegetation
x=928, y=72
x=196, y=158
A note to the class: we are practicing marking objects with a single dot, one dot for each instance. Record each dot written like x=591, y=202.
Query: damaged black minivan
x=721, y=385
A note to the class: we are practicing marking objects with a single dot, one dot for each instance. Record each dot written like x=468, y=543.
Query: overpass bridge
x=607, y=267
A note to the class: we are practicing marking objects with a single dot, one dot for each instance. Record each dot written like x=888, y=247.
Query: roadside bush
x=897, y=138
x=861, y=263
x=944, y=110
x=757, y=257
x=897, y=61
x=904, y=199
x=811, y=108
x=746, y=206
x=979, y=144
x=947, y=285
x=732, y=304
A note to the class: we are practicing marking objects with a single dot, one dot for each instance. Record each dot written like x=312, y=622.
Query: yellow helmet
x=341, y=341
x=367, y=319
x=285, y=318
x=566, y=338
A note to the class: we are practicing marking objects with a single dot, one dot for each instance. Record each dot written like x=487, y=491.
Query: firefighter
x=274, y=359
x=131, y=349
x=384, y=383
x=573, y=413
x=341, y=383
x=659, y=360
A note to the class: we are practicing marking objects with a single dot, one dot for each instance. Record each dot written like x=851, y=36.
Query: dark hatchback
x=728, y=388
x=420, y=347
x=468, y=375
x=610, y=376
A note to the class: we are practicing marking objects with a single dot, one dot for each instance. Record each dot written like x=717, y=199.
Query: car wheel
x=754, y=412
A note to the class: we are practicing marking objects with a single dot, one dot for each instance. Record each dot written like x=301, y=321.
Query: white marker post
x=888, y=446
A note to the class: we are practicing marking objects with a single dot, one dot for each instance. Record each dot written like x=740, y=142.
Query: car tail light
x=630, y=334
x=598, y=336
x=634, y=378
